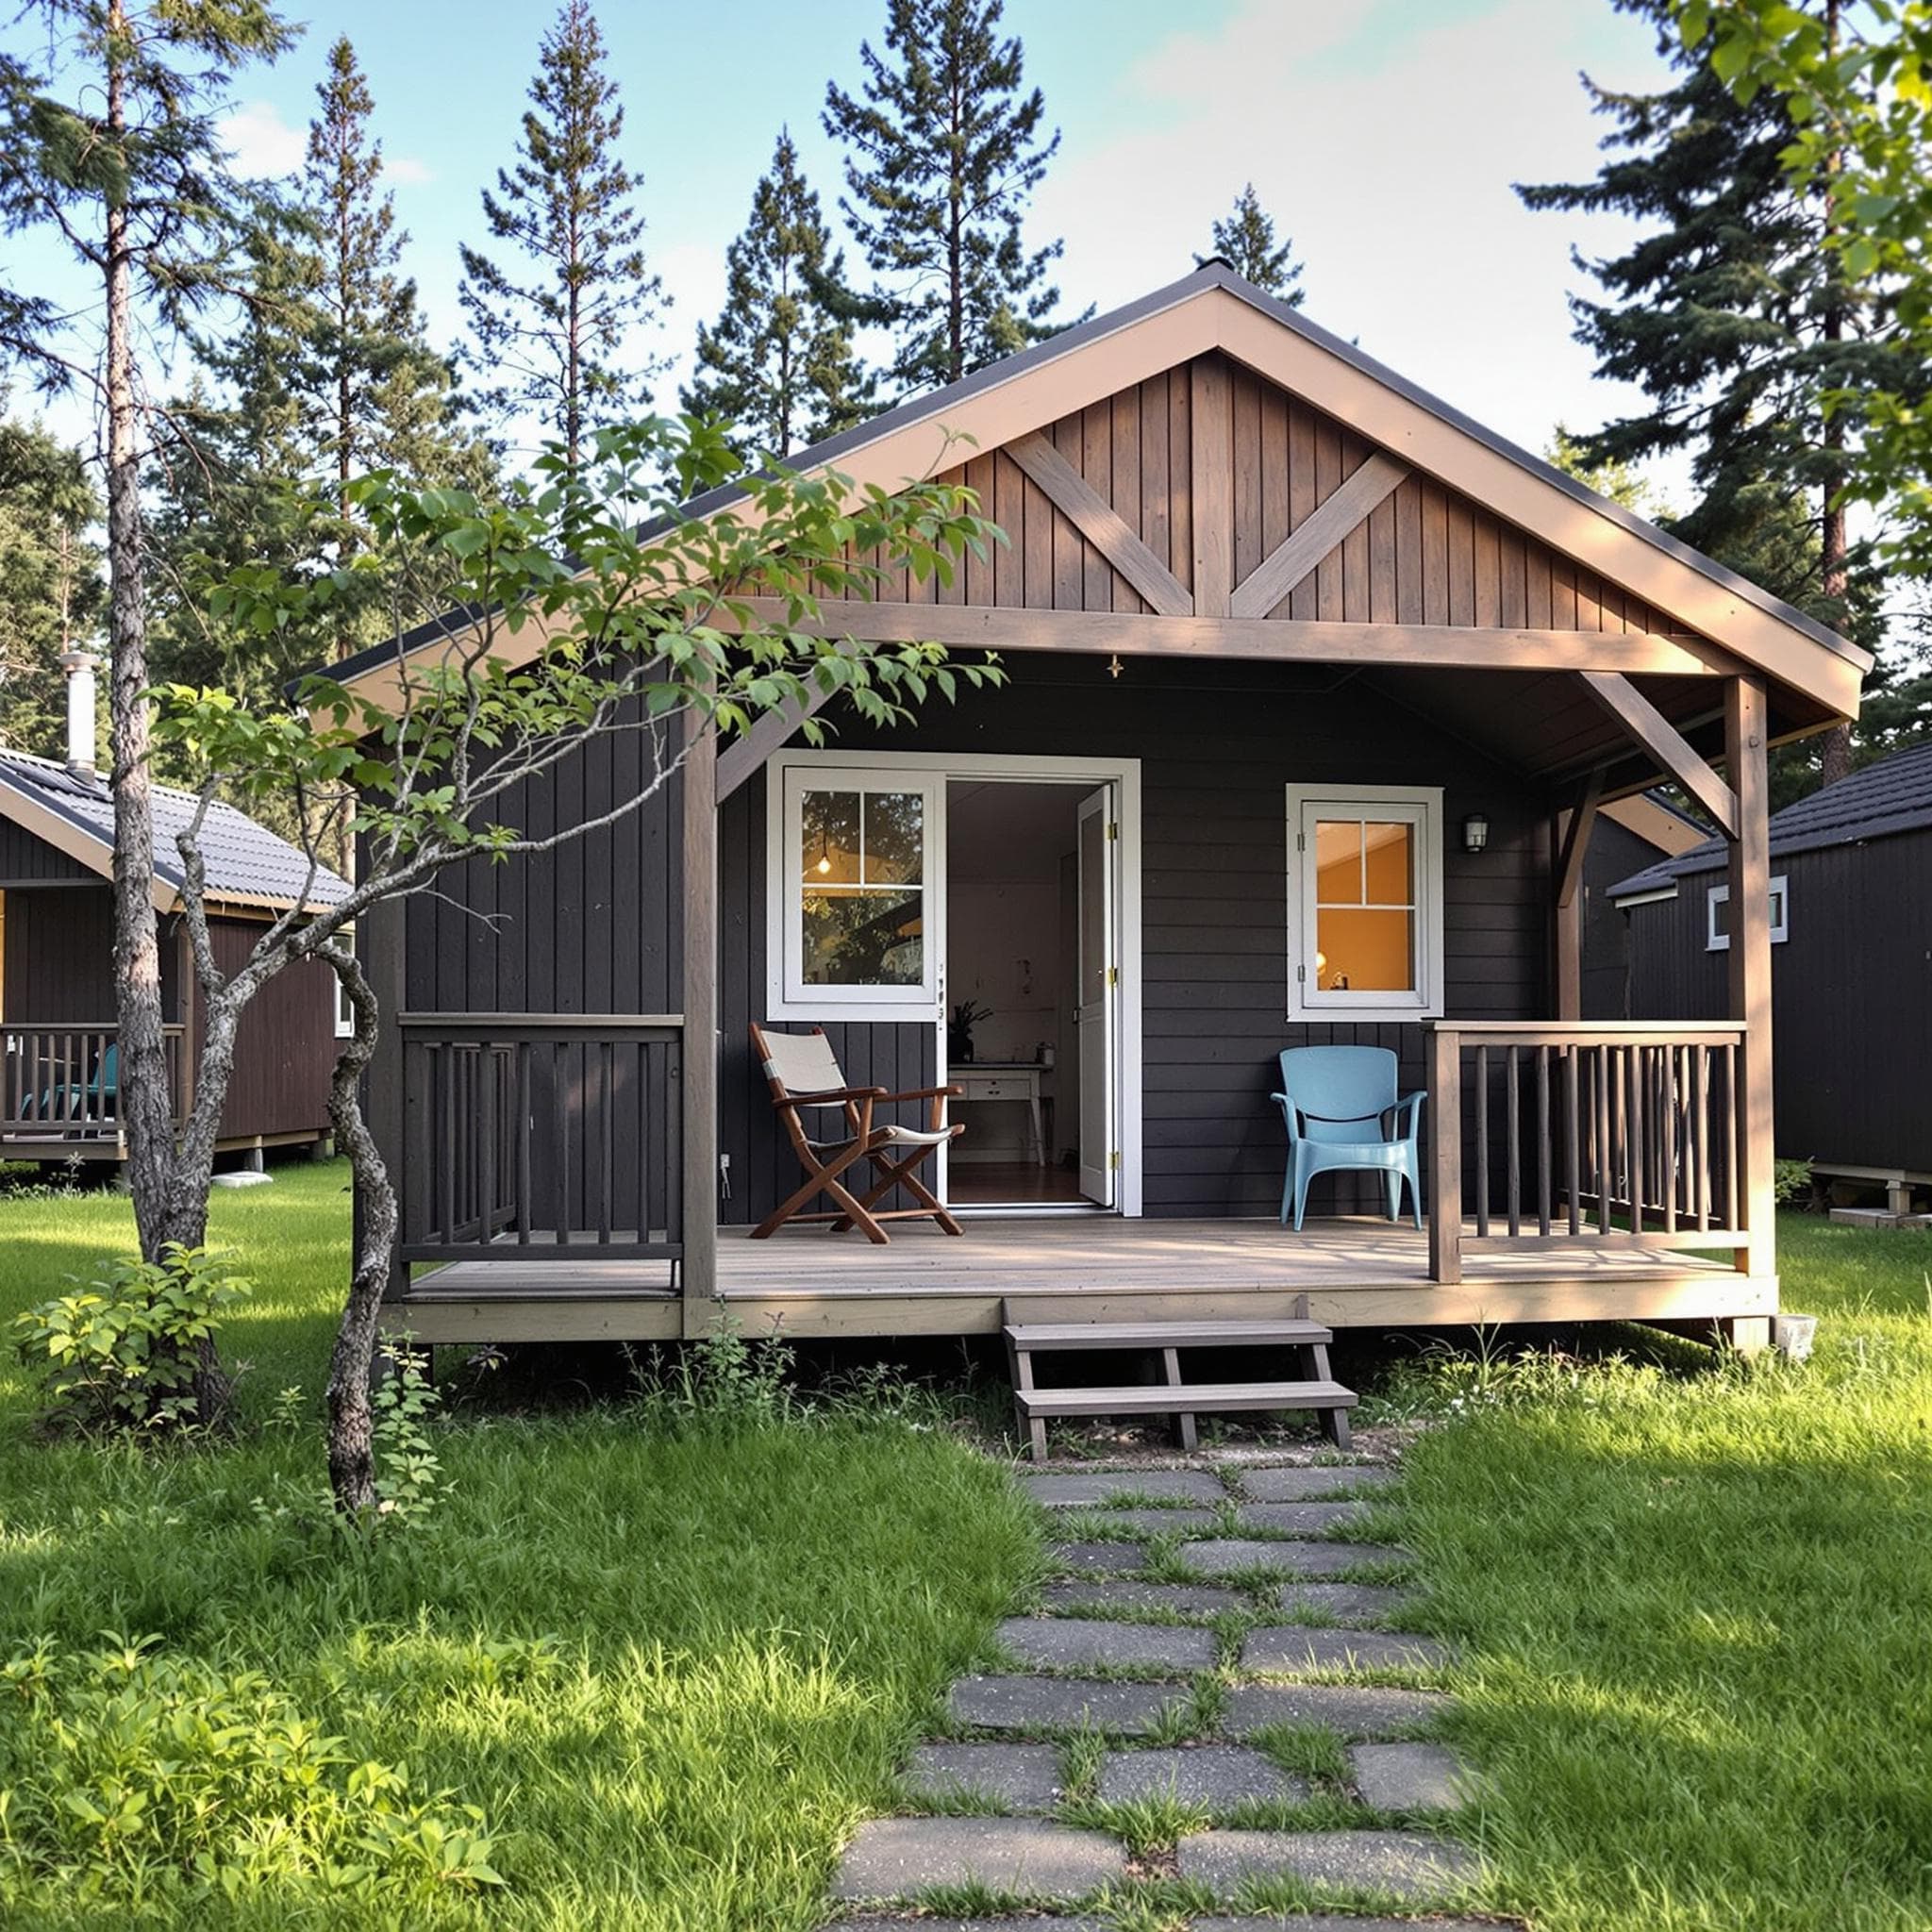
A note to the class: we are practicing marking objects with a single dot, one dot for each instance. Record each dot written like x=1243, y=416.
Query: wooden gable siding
x=1425, y=555
x=1216, y=754
x=26, y=859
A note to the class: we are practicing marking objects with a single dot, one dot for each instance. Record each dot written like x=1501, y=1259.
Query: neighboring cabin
x=58, y=1062
x=1851, y=932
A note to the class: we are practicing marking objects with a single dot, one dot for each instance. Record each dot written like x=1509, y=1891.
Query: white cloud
x=407, y=170
x=261, y=142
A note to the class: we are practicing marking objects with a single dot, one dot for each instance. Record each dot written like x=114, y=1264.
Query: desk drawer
x=991, y=1087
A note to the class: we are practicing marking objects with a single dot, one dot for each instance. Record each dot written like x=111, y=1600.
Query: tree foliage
x=555, y=314
x=779, y=362
x=1245, y=240
x=51, y=592
x=943, y=151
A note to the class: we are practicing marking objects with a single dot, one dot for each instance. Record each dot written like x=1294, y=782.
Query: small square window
x=1717, y=915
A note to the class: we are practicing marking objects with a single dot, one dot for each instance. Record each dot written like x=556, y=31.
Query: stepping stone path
x=1133, y=1739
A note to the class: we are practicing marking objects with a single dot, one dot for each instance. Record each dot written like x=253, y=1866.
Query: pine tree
x=779, y=361
x=1246, y=241
x=1730, y=315
x=50, y=587
x=943, y=153
x=554, y=334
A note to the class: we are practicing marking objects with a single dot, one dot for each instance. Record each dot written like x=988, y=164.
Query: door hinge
x=1113, y=976
x=1301, y=841
x=1301, y=974
x=1114, y=1159
x=1113, y=828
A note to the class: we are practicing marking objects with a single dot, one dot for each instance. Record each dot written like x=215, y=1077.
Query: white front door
x=1097, y=994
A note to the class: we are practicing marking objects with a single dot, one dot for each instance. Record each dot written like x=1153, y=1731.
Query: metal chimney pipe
x=80, y=667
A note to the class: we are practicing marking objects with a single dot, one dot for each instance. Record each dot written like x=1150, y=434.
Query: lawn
x=672, y=1667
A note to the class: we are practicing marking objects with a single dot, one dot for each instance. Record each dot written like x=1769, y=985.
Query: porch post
x=699, y=1274
x=1569, y=851
x=1446, y=1147
x=1749, y=966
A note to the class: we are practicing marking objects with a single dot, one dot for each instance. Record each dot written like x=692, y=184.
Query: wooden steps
x=1317, y=1389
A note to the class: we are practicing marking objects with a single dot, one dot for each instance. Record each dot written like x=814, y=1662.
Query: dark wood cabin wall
x=1851, y=1018
x=1215, y=757
x=1615, y=854
x=285, y=1047
x=60, y=957
x=26, y=859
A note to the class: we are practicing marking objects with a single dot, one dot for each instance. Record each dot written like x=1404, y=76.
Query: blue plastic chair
x=98, y=1101
x=1343, y=1115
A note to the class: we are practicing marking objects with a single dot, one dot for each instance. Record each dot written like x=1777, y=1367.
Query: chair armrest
x=1290, y=1114
x=921, y=1094
x=1410, y=1104
x=831, y=1096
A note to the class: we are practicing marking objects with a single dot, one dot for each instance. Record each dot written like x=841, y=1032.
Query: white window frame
x=794, y=998
x=1418, y=805
x=345, y=1012
x=1780, y=896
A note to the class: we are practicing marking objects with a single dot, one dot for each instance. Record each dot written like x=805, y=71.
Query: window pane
x=1339, y=861
x=864, y=938
x=828, y=838
x=1720, y=918
x=895, y=838
x=1390, y=864
x=1364, y=952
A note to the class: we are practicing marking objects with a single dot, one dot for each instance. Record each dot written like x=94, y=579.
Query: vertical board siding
x=60, y=957
x=285, y=1046
x=26, y=859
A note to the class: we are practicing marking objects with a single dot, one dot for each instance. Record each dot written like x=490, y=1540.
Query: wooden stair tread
x=1043, y=1337
x=1185, y=1398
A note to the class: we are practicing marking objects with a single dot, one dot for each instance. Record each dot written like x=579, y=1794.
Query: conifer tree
x=50, y=587
x=555, y=322
x=779, y=362
x=943, y=153
x=1246, y=241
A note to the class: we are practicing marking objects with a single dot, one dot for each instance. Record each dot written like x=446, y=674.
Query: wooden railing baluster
x=1482, y=1142
x=1543, y=1151
x=1512, y=1104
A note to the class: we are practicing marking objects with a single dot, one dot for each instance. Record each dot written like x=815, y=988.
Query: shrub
x=1790, y=1183
x=409, y=1471
x=129, y=1777
x=122, y=1353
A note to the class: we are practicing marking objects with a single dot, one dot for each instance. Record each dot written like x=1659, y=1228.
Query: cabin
x=1849, y=917
x=1319, y=693
x=58, y=1062
x=1631, y=835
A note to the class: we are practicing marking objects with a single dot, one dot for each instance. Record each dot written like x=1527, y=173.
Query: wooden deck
x=1356, y=1275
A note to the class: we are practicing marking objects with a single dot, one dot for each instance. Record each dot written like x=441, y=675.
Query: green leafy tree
x=50, y=583
x=1623, y=482
x=1246, y=241
x=780, y=360
x=943, y=151
x=112, y=145
x=554, y=323
x=1730, y=313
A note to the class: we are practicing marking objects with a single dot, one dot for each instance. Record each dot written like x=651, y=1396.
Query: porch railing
x=64, y=1083
x=542, y=1136
x=1626, y=1133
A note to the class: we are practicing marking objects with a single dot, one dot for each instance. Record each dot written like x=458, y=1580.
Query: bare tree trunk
x=1835, y=758
x=351, y=1443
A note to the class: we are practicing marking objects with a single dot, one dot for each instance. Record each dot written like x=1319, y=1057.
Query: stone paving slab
x=1286, y=1922
x=1052, y=1704
x=1307, y=1485
x=1410, y=1777
x=1402, y=1863
x=1130, y=1594
x=1153, y=1522
x=1233, y=1556
x=1052, y=1924
x=1091, y=1559
x=1220, y=1776
x=1019, y=1777
x=1346, y=1603
x=1075, y=1643
x=901, y=1858
x=1298, y=1518
x=1087, y=1489
x=1355, y=1711
x=1297, y=1648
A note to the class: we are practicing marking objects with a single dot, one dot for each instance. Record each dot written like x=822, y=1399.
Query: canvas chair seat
x=803, y=1073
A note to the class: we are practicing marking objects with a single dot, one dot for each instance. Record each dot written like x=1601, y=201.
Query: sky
x=1383, y=135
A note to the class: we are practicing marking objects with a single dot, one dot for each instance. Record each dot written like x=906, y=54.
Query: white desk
x=1004, y=1080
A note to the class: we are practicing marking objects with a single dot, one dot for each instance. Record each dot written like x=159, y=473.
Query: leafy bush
x=723, y=1376
x=122, y=1353
x=409, y=1471
x=1791, y=1182
x=132, y=1778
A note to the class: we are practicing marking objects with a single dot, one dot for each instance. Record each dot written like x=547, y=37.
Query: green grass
x=747, y=1626
x=1694, y=1610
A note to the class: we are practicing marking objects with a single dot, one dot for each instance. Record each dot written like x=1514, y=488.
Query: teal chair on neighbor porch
x=1343, y=1115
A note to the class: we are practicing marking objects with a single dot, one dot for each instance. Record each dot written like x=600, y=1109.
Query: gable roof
x=247, y=864
x=1894, y=795
x=1214, y=309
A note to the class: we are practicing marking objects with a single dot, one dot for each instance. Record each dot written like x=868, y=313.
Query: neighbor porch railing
x=64, y=1083
x=541, y=1137
x=1624, y=1133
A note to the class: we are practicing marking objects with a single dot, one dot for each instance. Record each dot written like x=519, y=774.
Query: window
x=346, y=1013
x=854, y=877
x=1717, y=915
x=1364, y=902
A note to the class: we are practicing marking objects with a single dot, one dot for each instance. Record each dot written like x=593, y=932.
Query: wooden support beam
x=1569, y=852
x=1211, y=456
x=1576, y=840
x=744, y=756
x=1748, y=965
x=1277, y=639
x=1101, y=524
x=1445, y=1153
x=1665, y=743
x=699, y=1182
x=1278, y=573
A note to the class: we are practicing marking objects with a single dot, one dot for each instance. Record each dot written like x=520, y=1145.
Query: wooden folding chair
x=802, y=1071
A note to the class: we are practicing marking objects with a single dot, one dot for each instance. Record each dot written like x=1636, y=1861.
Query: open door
x=1097, y=997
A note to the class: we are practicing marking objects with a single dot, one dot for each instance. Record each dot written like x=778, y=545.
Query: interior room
x=1011, y=948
